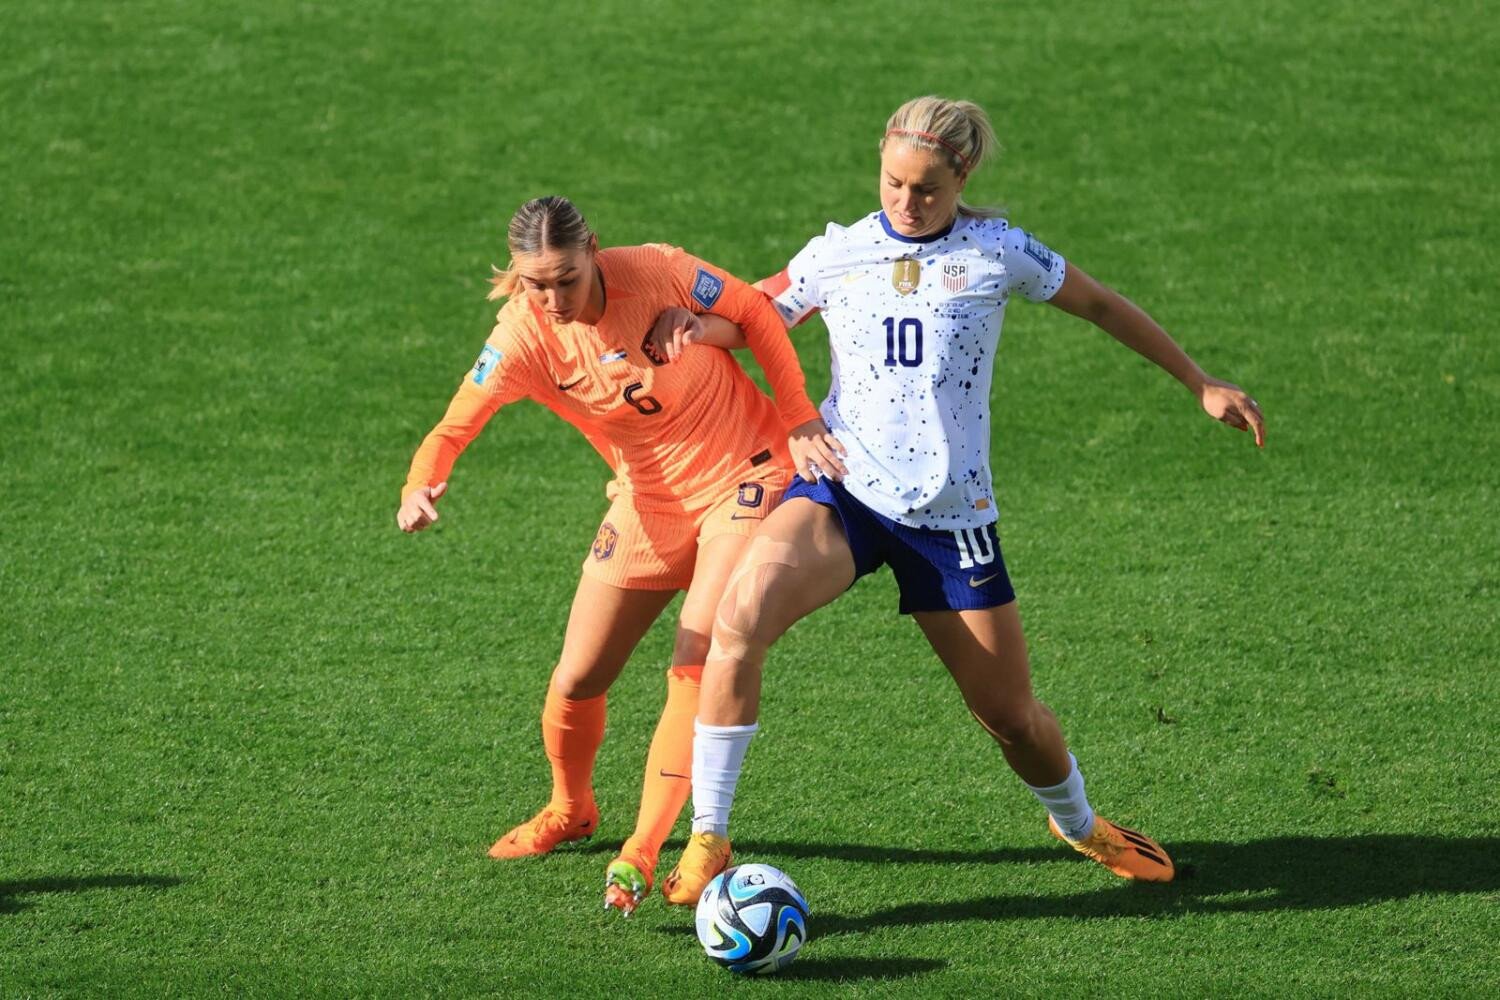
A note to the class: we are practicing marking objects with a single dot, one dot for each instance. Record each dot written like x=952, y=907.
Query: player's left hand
x=815, y=451
x=1232, y=405
x=675, y=329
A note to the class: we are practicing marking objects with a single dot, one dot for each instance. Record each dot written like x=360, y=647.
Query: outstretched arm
x=1123, y=320
x=427, y=480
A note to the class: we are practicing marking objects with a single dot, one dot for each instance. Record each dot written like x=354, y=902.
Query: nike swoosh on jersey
x=668, y=774
x=571, y=384
x=747, y=517
x=976, y=584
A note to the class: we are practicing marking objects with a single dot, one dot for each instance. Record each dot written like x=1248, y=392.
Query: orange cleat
x=705, y=856
x=543, y=832
x=626, y=884
x=1126, y=853
x=628, y=878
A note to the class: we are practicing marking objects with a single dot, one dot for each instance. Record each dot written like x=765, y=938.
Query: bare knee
x=578, y=682
x=695, y=624
x=1013, y=723
x=750, y=617
x=691, y=646
x=739, y=628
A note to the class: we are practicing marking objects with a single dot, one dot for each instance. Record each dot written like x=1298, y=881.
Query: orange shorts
x=657, y=550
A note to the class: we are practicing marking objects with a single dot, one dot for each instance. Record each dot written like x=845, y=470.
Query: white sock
x=718, y=753
x=1067, y=804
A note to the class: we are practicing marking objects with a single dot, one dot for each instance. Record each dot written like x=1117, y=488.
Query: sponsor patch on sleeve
x=1038, y=251
x=489, y=360
x=707, y=289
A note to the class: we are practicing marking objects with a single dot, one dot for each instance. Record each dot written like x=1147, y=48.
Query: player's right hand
x=419, y=509
x=675, y=329
x=1229, y=404
x=816, y=452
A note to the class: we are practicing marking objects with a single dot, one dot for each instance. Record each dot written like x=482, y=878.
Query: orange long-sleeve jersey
x=674, y=434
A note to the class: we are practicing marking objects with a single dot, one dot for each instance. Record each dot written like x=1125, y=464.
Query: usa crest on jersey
x=956, y=276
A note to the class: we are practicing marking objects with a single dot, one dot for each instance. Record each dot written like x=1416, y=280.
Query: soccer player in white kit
x=914, y=296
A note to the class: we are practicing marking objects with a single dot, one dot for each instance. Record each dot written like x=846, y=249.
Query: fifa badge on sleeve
x=488, y=359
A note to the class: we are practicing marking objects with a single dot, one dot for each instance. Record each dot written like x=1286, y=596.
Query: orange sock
x=571, y=733
x=669, y=764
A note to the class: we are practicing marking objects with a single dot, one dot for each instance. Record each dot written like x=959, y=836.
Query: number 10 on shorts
x=974, y=548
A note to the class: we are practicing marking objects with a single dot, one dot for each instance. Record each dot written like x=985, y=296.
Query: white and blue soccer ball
x=752, y=919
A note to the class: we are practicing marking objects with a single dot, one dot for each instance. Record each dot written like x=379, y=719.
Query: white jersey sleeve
x=1032, y=268
x=797, y=291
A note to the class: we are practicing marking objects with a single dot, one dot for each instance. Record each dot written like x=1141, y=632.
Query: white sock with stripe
x=718, y=754
x=1068, y=804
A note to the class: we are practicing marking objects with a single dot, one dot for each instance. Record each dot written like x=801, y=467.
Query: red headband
x=934, y=138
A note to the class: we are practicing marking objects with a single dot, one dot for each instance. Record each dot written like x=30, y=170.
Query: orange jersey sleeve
x=711, y=289
x=503, y=373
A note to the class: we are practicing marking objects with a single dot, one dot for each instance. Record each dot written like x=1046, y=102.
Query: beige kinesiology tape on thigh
x=743, y=594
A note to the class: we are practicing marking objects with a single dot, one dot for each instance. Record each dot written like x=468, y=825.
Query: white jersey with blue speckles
x=913, y=326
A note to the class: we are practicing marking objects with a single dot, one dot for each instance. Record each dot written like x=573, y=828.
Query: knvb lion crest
x=649, y=349
x=906, y=275
x=604, y=542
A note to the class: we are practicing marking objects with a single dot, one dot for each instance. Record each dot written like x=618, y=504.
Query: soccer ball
x=752, y=919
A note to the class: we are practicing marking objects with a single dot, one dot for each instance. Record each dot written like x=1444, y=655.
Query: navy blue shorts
x=936, y=569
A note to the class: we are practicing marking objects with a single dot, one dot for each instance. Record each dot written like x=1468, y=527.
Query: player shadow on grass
x=843, y=970
x=10, y=892
x=839, y=970
x=1278, y=873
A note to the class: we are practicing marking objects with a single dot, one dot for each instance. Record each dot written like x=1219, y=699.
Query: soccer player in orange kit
x=699, y=453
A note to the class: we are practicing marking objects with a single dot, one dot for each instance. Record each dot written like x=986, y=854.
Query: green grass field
x=253, y=740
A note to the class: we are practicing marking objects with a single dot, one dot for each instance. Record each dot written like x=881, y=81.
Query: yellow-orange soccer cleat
x=628, y=878
x=545, y=831
x=705, y=856
x=1126, y=853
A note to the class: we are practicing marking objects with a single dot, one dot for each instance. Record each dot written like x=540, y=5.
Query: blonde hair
x=550, y=223
x=959, y=131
